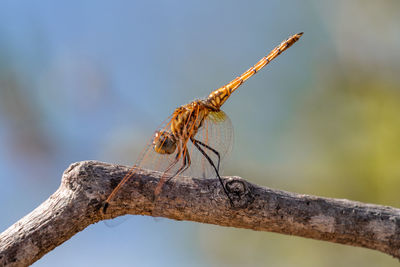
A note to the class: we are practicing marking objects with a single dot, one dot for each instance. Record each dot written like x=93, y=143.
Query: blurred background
x=84, y=80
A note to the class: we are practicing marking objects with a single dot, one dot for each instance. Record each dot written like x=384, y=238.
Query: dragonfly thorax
x=187, y=119
x=164, y=142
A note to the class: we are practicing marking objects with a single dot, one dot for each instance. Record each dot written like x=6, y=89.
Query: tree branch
x=85, y=185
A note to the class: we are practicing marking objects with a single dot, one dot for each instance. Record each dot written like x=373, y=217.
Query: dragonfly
x=197, y=136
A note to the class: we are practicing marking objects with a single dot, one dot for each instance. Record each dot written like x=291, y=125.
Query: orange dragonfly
x=197, y=136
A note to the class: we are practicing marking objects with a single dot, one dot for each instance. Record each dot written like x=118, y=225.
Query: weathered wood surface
x=85, y=185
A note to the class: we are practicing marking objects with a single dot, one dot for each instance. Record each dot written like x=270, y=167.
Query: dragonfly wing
x=216, y=137
x=216, y=134
x=150, y=159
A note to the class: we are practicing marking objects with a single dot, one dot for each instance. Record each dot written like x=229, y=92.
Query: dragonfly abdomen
x=218, y=97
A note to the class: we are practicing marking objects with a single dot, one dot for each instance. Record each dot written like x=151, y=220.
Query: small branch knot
x=240, y=192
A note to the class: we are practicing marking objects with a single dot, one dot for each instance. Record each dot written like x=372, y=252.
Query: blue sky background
x=84, y=80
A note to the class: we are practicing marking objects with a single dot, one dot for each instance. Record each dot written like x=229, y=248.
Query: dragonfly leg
x=211, y=149
x=163, y=177
x=186, y=164
x=177, y=157
x=197, y=145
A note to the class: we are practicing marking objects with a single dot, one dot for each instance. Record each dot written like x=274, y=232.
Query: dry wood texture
x=85, y=185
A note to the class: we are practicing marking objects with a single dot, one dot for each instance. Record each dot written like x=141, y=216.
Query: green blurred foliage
x=354, y=122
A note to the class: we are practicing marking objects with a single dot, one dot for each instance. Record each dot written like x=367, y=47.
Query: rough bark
x=85, y=185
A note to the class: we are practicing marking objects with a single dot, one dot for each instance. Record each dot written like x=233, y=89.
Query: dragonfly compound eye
x=164, y=142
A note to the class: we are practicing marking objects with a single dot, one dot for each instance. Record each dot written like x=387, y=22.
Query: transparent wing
x=216, y=134
x=216, y=139
x=148, y=159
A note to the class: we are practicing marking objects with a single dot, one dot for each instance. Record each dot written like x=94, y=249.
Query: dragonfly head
x=164, y=142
